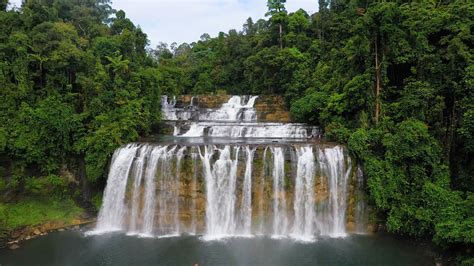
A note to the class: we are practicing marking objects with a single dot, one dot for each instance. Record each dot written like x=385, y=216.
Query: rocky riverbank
x=15, y=237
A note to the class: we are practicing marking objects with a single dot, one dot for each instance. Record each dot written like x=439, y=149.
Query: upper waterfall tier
x=232, y=117
x=237, y=108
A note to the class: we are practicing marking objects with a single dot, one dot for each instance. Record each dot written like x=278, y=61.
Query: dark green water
x=72, y=248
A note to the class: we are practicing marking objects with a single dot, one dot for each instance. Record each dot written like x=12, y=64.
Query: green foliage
x=34, y=211
x=75, y=85
x=309, y=107
x=337, y=132
x=408, y=181
x=466, y=131
x=3, y=139
x=44, y=134
x=452, y=214
x=97, y=201
x=53, y=186
x=275, y=7
x=109, y=131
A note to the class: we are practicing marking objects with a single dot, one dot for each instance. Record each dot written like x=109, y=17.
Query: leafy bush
x=309, y=108
x=97, y=201
x=53, y=186
x=337, y=132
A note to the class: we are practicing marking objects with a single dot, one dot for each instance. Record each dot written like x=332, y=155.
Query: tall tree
x=277, y=11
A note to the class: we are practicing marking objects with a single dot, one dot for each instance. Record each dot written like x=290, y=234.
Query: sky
x=186, y=20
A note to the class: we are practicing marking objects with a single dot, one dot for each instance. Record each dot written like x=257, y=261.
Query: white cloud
x=185, y=20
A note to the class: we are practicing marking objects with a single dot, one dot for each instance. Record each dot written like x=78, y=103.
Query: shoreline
x=14, y=237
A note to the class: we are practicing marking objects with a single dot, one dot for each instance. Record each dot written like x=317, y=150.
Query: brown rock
x=350, y=226
x=371, y=228
x=16, y=234
x=60, y=224
x=14, y=246
x=37, y=231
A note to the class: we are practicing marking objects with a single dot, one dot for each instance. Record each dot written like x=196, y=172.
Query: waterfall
x=194, y=181
x=220, y=185
x=113, y=209
x=167, y=108
x=247, y=130
x=143, y=191
x=136, y=194
x=171, y=112
x=303, y=226
x=166, y=193
x=232, y=110
x=261, y=199
x=237, y=118
x=280, y=221
x=150, y=190
x=333, y=164
x=298, y=188
x=246, y=206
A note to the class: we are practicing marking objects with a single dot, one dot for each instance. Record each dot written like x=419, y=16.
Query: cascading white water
x=248, y=130
x=153, y=177
x=194, y=185
x=280, y=216
x=136, y=194
x=234, y=110
x=252, y=130
x=113, y=209
x=150, y=191
x=246, y=206
x=175, y=187
x=334, y=165
x=304, y=209
x=167, y=108
x=168, y=193
x=170, y=112
x=261, y=200
x=237, y=118
x=221, y=180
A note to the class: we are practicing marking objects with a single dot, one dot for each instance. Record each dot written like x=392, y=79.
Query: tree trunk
x=377, y=82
